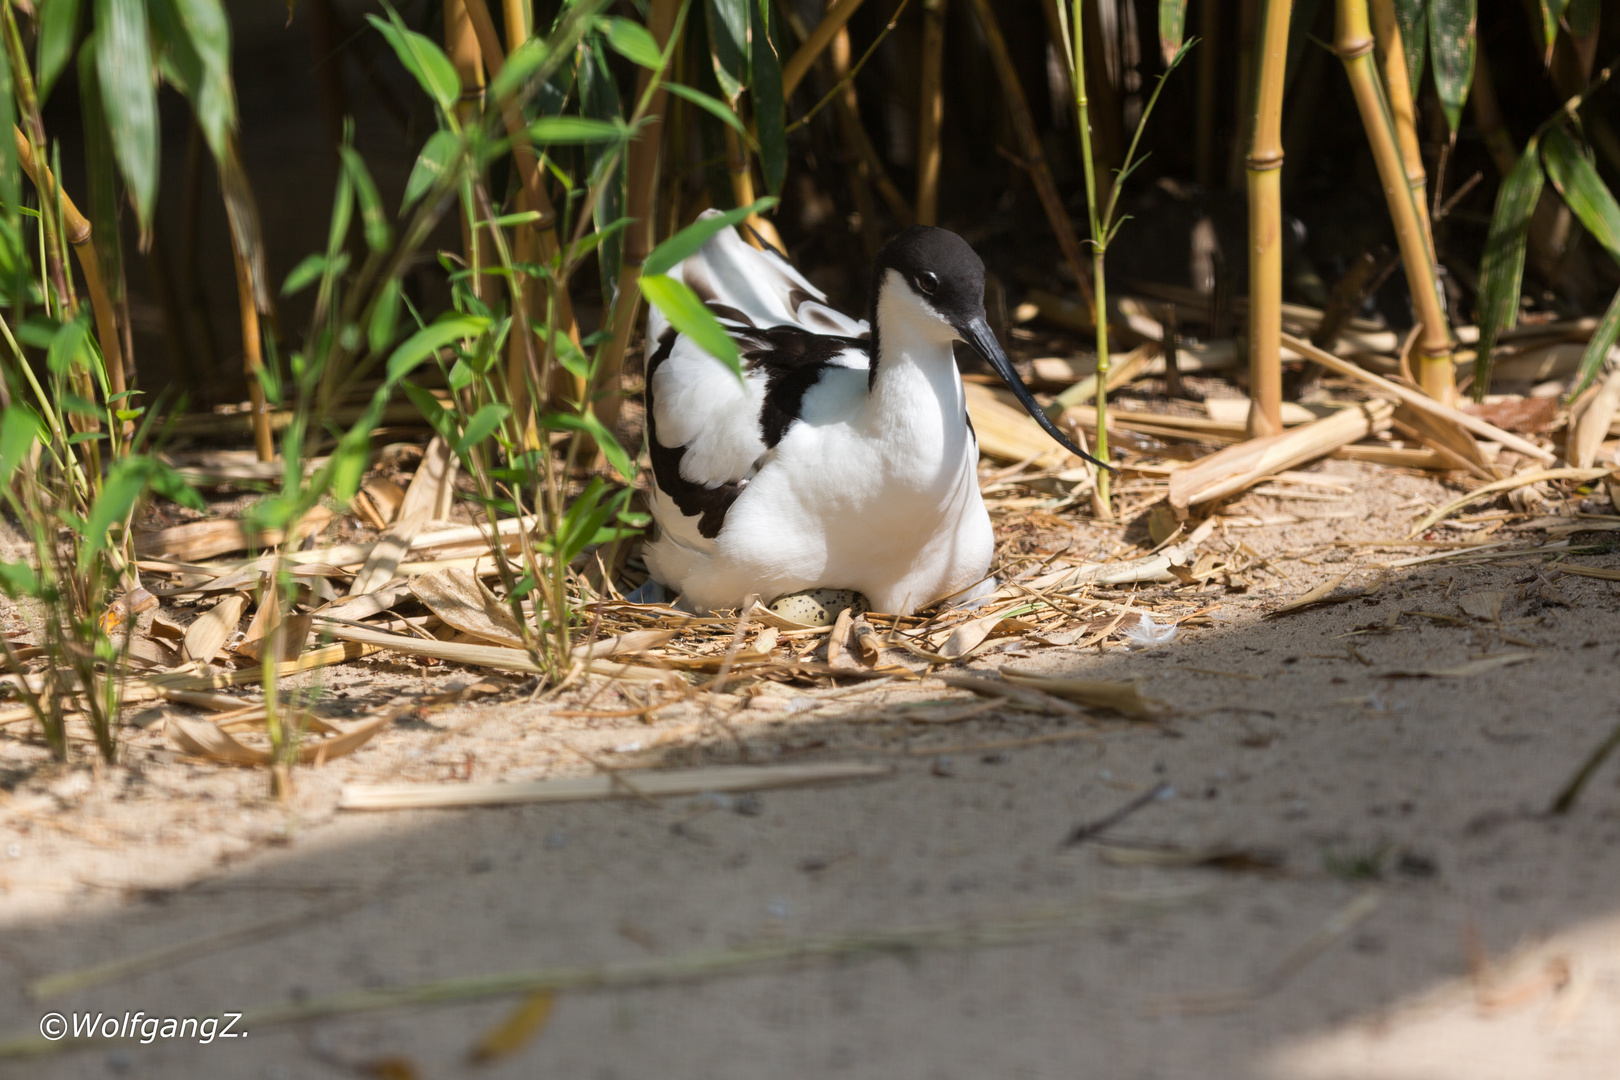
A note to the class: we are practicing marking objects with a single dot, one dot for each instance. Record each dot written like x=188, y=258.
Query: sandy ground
x=1382, y=895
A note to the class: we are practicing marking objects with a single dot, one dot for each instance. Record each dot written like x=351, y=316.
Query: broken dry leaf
x=205, y=637
x=636, y=641
x=1485, y=604
x=1319, y=595
x=467, y=604
x=209, y=741
x=1123, y=697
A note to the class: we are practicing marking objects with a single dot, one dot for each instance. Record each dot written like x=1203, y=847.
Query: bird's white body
x=871, y=481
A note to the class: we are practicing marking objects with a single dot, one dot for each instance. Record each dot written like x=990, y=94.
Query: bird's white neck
x=916, y=405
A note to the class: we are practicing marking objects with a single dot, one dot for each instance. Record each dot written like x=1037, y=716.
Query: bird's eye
x=927, y=282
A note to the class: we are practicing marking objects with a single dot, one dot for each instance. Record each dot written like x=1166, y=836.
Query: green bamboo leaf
x=101, y=172
x=425, y=61
x=378, y=234
x=1501, y=270
x=434, y=160
x=1583, y=17
x=124, y=64
x=305, y=274
x=1172, y=26
x=687, y=315
x=1413, y=19
x=481, y=426
x=713, y=105
x=17, y=579
x=58, y=28
x=68, y=346
x=770, y=116
x=728, y=44
x=441, y=419
x=19, y=427
x=10, y=171
x=203, y=29
x=1597, y=349
x=384, y=317
x=430, y=339
x=695, y=235
x=1451, y=41
x=588, y=422
x=1582, y=188
x=1551, y=12
x=518, y=68
x=635, y=43
x=577, y=129
x=124, y=486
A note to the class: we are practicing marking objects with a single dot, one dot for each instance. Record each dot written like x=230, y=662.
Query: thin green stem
x=1099, y=248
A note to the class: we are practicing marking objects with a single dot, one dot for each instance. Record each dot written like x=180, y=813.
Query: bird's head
x=929, y=283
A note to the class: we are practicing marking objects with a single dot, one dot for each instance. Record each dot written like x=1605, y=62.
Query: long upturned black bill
x=978, y=335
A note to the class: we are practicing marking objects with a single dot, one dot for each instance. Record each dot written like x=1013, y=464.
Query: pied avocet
x=844, y=458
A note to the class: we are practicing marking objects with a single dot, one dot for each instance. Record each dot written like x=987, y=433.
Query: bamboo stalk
x=1101, y=503
x=1030, y=146
x=1354, y=46
x=931, y=112
x=798, y=66
x=1387, y=33
x=1242, y=466
x=79, y=233
x=739, y=164
x=1486, y=431
x=253, y=357
x=461, y=46
x=640, y=194
x=1264, y=167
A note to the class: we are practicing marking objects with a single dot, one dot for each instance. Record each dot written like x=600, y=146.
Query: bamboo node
x=1350, y=50
x=1265, y=162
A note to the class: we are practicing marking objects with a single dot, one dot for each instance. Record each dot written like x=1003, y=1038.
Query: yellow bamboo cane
x=1354, y=45
x=1264, y=166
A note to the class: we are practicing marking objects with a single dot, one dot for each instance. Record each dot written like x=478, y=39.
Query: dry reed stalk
x=1354, y=45
x=641, y=192
x=79, y=233
x=1029, y=142
x=1387, y=32
x=798, y=66
x=930, y=111
x=1264, y=166
x=1246, y=464
x=1489, y=432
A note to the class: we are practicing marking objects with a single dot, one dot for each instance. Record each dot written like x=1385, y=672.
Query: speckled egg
x=818, y=607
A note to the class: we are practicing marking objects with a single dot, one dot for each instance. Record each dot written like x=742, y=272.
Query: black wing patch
x=708, y=504
x=793, y=360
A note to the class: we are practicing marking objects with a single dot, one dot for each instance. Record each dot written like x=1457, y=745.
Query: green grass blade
x=1597, y=349
x=576, y=129
x=687, y=315
x=671, y=251
x=372, y=217
x=1451, y=41
x=1501, y=270
x=1582, y=188
x=713, y=105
